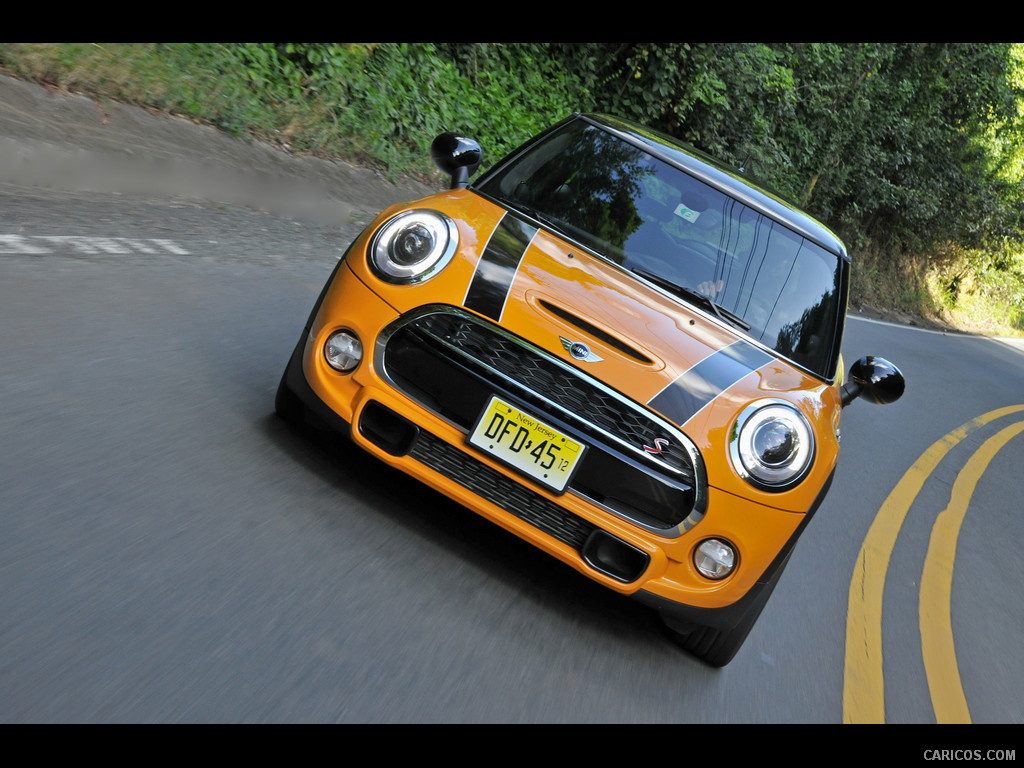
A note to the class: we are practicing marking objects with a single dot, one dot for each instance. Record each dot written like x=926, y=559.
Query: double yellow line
x=863, y=684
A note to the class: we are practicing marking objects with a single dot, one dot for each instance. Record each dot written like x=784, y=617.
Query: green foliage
x=499, y=94
x=881, y=140
x=901, y=147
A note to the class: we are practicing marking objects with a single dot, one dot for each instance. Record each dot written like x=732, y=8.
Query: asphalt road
x=170, y=551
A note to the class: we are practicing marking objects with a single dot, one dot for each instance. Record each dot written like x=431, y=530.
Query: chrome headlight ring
x=771, y=445
x=413, y=246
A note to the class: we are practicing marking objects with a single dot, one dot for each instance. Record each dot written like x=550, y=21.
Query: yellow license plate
x=526, y=444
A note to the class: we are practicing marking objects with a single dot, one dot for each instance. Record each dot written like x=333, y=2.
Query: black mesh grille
x=501, y=491
x=451, y=363
x=538, y=374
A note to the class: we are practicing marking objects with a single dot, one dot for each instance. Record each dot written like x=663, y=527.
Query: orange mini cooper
x=620, y=351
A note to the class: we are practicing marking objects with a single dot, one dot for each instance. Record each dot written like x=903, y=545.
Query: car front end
x=565, y=386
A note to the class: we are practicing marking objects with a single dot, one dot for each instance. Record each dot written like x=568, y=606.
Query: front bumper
x=617, y=550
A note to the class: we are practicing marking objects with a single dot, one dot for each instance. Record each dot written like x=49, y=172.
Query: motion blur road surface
x=170, y=551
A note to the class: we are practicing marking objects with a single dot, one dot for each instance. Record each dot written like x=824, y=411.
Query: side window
x=803, y=323
x=533, y=173
x=758, y=268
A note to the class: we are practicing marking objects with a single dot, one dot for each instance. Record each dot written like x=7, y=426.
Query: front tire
x=715, y=646
x=287, y=403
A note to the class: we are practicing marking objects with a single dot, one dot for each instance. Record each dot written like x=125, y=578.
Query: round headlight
x=413, y=246
x=772, y=445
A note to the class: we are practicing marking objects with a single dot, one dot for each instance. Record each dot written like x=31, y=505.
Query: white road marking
x=42, y=244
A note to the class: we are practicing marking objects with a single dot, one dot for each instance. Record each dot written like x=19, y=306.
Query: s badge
x=659, y=444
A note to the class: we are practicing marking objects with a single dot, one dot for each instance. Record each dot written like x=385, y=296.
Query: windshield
x=646, y=215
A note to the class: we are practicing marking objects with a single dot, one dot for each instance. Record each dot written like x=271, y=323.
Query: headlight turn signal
x=771, y=445
x=413, y=246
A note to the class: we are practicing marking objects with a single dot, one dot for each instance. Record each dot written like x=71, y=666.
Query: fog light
x=714, y=558
x=343, y=351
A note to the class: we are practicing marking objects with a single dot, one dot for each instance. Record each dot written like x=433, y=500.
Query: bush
x=903, y=148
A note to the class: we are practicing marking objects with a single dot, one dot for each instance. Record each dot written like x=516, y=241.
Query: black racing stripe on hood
x=705, y=381
x=497, y=267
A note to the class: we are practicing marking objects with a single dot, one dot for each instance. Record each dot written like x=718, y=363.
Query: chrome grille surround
x=513, y=365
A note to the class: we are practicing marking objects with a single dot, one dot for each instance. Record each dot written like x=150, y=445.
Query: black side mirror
x=457, y=156
x=875, y=378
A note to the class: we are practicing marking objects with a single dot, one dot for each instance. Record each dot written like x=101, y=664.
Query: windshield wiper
x=530, y=210
x=694, y=297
